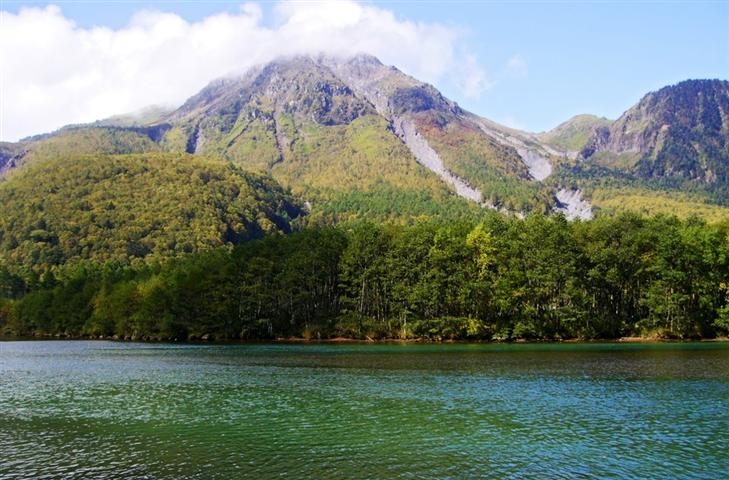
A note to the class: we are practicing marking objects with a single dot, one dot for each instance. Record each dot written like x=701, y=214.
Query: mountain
x=678, y=131
x=127, y=207
x=574, y=134
x=354, y=138
x=667, y=154
x=326, y=125
x=294, y=119
x=351, y=136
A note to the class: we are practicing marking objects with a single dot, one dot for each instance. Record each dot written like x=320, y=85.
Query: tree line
x=541, y=278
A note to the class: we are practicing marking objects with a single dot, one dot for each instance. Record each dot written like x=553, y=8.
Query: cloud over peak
x=55, y=72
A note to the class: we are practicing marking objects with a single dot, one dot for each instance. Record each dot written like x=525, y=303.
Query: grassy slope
x=652, y=202
x=360, y=155
x=90, y=141
x=573, y=134
x=357, y=169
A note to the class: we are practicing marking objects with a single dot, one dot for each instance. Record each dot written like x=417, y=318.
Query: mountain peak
x=574, y=134
x=299, y=84
x=362, y=59
x=293, y=110
x=681, y=130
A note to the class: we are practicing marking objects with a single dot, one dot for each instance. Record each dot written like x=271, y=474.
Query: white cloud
x=55, y=72
x=472, y=78
x=517, y=67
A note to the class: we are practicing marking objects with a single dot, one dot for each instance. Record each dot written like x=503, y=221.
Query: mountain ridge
x=325, y=126
x=678, y=130
x=275, y=103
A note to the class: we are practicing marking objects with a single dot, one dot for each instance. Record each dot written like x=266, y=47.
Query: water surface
x=75, y=409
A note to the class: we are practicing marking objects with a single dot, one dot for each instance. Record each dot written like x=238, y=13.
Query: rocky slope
x=678, y=131
x=571, y=203
x=288, y=116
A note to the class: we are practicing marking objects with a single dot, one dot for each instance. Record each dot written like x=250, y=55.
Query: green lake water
x=77, y=409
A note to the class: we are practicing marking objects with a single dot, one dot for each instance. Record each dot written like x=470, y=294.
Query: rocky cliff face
x=680, y=130
x=9, y=154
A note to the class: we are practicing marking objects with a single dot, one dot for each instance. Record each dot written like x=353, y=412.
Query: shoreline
x=347, y=340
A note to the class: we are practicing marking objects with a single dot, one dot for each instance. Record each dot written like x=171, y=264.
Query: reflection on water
x=106, y=410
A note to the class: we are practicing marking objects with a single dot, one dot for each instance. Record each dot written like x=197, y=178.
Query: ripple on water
x=103, y=410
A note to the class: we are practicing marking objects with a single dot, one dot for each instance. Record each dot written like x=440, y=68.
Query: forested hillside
x=129, y=207
x=500, y=279
x=408, y=214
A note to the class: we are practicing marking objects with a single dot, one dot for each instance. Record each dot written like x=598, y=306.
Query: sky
x=527, y=64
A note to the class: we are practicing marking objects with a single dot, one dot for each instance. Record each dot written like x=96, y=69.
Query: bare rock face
x=534, y=155
x=539, y=166
x=429, y=158
x=6, y=164
x=572, y=205
x=599, y=141
x=7, y=157
x=419, y=99
x=299, y=86
x=12, y=154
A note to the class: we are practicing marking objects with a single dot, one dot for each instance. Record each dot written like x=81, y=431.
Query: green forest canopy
x=126, y=207
x=499, y=279
x=176, y=246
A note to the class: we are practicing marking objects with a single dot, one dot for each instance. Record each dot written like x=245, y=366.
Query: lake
x=95, y=409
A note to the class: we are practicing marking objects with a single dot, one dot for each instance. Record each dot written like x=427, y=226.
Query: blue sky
x=541, y=62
